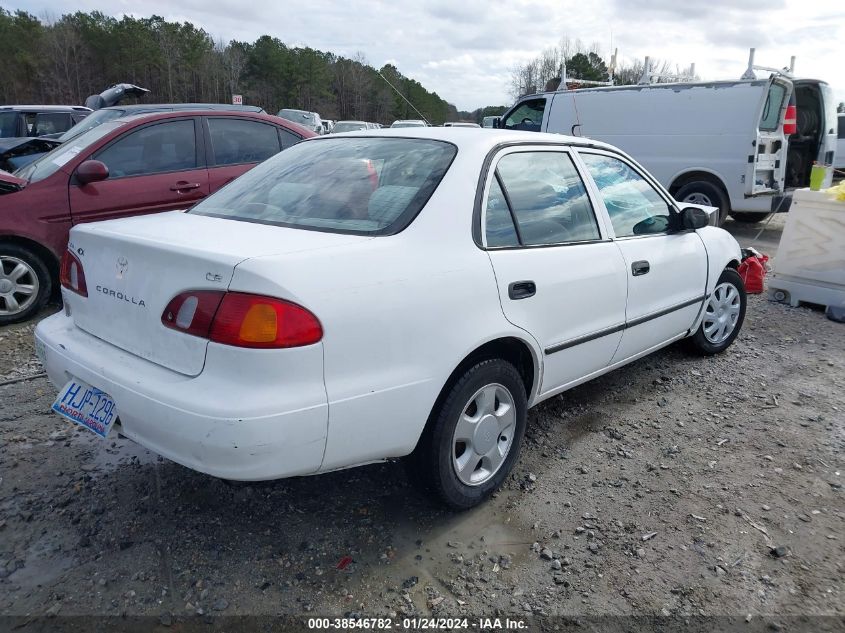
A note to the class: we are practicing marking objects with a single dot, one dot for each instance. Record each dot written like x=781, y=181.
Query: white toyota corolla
x=359, y=298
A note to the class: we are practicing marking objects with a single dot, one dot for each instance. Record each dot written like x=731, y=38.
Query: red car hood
x=9, y=183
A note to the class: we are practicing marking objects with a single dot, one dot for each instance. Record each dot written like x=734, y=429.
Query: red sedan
x=142, y=164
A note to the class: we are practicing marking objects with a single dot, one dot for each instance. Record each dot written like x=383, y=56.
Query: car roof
x=174, y=114
x=45, y=108
x=163, y=107
x=477, y=138
x=351, y=121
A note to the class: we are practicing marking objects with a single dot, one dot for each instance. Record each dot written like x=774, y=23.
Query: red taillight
x=72, y=275
x=242, y=320
x=790, y=120
x=192, y=312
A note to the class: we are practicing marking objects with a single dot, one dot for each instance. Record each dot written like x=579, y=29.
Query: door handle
x=185, y=186
x=522, y=289
x=640, y=268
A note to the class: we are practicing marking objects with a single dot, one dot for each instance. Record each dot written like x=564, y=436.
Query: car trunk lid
x=133, y=267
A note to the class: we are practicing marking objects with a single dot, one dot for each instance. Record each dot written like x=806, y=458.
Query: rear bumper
x=245, y=417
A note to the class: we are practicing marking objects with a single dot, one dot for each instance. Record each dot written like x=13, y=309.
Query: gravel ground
x=677, y=487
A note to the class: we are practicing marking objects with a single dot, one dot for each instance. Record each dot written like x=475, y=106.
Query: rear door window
x=237, y=141
x=770, y=118
x=498, y=226
x=160, y=148
x=547, y=198
x=528, y=115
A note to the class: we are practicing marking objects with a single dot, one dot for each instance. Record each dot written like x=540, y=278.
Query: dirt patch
x=675, y=486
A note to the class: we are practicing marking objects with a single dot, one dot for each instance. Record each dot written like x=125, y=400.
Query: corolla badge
x=122, y=265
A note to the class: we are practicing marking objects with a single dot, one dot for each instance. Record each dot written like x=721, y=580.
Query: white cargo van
x=720, y=143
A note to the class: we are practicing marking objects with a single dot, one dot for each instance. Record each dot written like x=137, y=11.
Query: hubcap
x=698, y=198
x=484, y=434
x=721, y=313
x=18, y=285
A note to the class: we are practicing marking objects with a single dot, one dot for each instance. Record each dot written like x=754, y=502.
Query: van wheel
x=749, y=218
x=472, y=439
x=25, y=283
x=707, y=194
x=724, y=312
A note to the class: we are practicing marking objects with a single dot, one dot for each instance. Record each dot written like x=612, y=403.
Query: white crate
x=810, y=263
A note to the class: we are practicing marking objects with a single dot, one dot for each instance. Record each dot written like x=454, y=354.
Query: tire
x=436, y=462
x=21, y=269
x=706, y=193
x=726, y=305
x=749, y=218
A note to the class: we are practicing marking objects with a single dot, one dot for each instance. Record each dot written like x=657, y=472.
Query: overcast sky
x=464, y=49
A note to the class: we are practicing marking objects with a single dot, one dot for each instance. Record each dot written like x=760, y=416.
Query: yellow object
x=838, y=192
x=817, y=174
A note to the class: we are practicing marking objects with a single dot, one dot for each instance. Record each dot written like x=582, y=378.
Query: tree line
x=64, y=60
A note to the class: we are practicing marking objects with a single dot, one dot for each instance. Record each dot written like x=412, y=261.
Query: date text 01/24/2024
x=417, y=624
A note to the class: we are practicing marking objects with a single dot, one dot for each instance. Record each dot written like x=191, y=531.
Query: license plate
x=87, y=406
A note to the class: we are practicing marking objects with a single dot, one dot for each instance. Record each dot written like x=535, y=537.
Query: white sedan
x=366, y=297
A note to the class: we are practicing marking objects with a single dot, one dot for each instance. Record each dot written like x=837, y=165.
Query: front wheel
x=473, y=437
x=724, y=312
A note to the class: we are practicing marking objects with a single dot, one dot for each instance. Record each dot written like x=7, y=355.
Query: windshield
x=91, y=121
x=48, y=164
x=528, y=116
x=364, y=186
x=299, y=116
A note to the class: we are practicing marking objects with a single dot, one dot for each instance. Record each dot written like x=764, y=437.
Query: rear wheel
x=25, y=283
x=724, y=313
x=472, y=439
x=749, y=218
x=705, y=193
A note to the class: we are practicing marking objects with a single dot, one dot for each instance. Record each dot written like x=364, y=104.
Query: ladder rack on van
x=648, y=76
x=751, y=75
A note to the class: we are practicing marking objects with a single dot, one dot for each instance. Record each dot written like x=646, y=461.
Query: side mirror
x=91, y=171
x=693, y=218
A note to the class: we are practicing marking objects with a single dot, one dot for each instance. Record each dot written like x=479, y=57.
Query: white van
x=719, y=143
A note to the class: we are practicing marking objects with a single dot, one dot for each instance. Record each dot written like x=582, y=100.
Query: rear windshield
x=364, y=186
x=298, y=116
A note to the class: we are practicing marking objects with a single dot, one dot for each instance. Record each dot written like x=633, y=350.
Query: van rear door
x=827, y=150
x=767, y=164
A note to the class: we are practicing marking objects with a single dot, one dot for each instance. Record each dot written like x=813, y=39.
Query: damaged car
x=132, y=165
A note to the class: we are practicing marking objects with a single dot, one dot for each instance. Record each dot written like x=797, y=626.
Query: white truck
x=720, y=143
